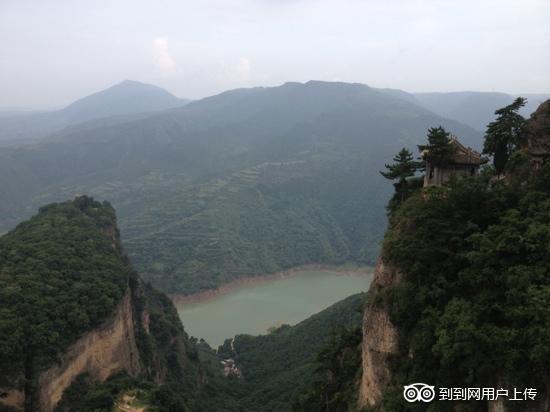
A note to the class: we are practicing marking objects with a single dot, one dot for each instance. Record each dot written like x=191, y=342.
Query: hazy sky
x=54, y=51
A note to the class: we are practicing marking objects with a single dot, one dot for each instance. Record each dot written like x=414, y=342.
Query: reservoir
x=253, y=309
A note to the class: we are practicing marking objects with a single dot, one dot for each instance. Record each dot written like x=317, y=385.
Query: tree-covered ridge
x=235, y=184
x=61, y=274
x=282, y=365
x=473, y=306
x=257, y=221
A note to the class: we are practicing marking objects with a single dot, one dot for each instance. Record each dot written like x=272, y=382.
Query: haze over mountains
x=125, y=98
x=475, y=109
x=246, y=182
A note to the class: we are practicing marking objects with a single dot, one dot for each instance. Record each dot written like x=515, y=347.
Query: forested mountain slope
x=278, y=368
x=461, y=295
x=249, y=181
x=125, y=98
x=75, y=313
x=80, y=330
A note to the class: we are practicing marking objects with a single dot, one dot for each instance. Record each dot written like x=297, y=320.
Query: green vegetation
x=504, y=134
x=247, y=182
x=403, y=168
x=260, y=220
x=334, y=386
x=473, y=306
x=439, y=148
x=117, y=104
x=87, y=395
x=282, y=371
x=279, y=366
x=61, y=274
x=192, y=378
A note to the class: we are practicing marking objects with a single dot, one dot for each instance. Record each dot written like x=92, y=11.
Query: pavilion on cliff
x=465, y=162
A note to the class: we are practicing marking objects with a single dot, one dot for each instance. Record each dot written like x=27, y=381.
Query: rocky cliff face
x=12, y=398
x=379, y=338
x=537, y=144
x=418, y=224
x=102, y=352
x=80, y=309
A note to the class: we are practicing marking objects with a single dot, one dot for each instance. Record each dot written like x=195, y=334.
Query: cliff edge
x=379, y=338
x=72, y=305
x=469, y=305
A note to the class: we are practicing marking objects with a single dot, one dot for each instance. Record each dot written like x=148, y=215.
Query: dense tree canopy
x=61, y=273
x=282, y=365
x=473, y=306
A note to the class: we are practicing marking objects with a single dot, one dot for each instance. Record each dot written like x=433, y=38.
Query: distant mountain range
x=126, y=98
x=475, y=109
x=250, y=181
x=247, y=182
x=130, y=100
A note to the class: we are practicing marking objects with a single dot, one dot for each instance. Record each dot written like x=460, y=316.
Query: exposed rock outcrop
x=101, y=352
x=537, y=144
x=379, y=338
x=106, y=350
x=12, y=398
x=112, y=323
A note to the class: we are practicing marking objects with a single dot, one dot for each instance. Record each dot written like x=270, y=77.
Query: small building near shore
x=465, y=161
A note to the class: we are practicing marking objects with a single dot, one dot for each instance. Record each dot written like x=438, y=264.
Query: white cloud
x=239, y=71
x=200, y=48
x=163, y=59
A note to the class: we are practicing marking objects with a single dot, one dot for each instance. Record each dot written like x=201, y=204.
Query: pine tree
x=403, y=168
x=504, y=134
x=439, y=149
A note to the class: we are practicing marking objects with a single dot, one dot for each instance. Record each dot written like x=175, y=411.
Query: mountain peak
x=128, y=96
x=135, y=84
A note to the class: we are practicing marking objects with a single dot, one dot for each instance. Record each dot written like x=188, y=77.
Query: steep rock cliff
x=379, y=338
x=71, y=305
x=470, y=307
x=102, y=352
x=537, y=144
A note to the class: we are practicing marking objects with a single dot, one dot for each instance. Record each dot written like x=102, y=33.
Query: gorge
x=461, y=285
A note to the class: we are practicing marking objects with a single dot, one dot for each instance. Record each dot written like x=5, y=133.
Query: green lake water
x=256, y=308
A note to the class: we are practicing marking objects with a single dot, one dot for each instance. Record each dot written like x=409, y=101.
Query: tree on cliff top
x=504, y=134
x=401, y=170
x=439, y=148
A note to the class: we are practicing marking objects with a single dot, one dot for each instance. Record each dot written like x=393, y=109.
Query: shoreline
x=235, y=284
